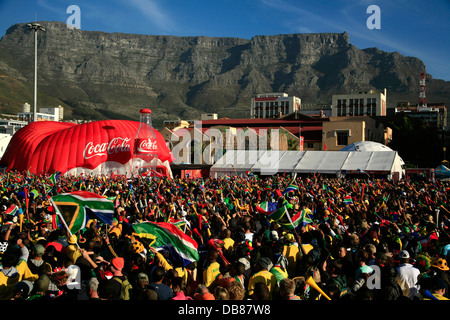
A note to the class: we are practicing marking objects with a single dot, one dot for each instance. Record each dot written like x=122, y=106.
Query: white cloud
x=305, y=20
x=58, y=10
x=153, y=12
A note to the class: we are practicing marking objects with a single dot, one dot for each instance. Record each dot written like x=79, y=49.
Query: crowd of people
x=365, y=238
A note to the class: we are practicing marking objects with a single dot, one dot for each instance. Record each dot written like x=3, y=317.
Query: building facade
x=371, y=103
x=44, y=114
x=273, y=105
x=435, y=114
x=8, y=126
x=339, y=132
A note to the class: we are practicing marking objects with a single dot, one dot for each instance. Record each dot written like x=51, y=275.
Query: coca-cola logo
x=114, y=146
x=146, y=146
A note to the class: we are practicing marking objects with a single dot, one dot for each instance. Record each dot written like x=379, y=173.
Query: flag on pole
x=168, y=236
x=301, y=218
x=292, y=186
x=78, y=207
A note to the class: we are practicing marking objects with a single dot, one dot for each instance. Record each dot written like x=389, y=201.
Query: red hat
x=118, y=263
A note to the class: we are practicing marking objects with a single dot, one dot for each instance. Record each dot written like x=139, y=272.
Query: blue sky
x=411, y=27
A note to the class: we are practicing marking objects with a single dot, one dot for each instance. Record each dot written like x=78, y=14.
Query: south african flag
x=78, y=207
x=166, y=235
x=301, y=218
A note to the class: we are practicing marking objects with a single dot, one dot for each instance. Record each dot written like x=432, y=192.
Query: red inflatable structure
x=98, y=147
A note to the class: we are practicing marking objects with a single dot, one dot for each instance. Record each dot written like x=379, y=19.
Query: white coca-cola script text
x=146, y=146
x=114, y=146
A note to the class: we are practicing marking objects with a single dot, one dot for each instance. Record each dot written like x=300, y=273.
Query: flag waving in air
x=78, y=207
x=278, y=213
x=166, y=235
x=12, y=210
x=292, y=186
x=267, y=207
x=54, y=178
x=348, y=199
x=301, y=218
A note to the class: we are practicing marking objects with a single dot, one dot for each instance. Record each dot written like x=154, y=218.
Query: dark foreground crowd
x=365, y=239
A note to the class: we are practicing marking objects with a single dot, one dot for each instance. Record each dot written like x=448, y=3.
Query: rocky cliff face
x=181, y=77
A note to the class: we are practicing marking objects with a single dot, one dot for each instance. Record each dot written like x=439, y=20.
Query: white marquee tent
x=239, y=162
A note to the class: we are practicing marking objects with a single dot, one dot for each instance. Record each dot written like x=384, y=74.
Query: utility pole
x=35, y=27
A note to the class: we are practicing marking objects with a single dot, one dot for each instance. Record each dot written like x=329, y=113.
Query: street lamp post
x=35, y=27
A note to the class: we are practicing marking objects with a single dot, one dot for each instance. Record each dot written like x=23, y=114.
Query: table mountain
x=112, y=75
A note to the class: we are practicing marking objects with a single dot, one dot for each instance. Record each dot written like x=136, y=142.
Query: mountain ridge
x=99, y=74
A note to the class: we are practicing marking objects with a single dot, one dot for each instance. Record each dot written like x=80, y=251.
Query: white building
x=371, y=103
x=44, y=114
x=59, y=112
x=10, y=127
x=273, y=105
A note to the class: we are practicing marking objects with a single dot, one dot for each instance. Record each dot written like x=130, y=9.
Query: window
x=341, y=138
x=344, y=107
x=258, y=112
x=371, y=106
x=374, y=106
